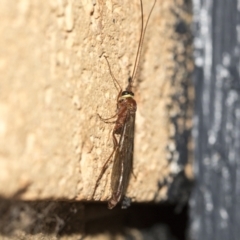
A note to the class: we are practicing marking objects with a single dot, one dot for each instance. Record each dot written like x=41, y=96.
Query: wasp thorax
x=124, y=93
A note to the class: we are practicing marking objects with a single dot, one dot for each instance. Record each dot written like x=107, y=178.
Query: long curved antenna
x=139, y=45
x=136, y=65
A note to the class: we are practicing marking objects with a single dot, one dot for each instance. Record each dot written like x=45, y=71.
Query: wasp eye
x=127, y=93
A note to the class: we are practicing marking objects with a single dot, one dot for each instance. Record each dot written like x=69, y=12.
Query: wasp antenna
x=143, y=30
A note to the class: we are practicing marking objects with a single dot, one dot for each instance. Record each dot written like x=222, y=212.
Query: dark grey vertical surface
x=215, y=202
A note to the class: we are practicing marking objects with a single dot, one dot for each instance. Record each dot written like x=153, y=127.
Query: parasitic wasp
x=123, y=131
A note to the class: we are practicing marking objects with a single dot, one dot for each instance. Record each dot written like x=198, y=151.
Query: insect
x=123, y=131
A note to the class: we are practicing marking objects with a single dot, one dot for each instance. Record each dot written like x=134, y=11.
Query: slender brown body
x=122, y=153
x=123, y=157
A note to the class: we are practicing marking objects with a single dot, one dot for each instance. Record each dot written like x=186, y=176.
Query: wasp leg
x=105, y=166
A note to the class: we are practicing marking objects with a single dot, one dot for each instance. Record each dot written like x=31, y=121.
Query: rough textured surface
x=215, y=204
x=55, y=80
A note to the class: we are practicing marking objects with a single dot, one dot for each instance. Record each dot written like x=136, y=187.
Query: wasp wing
x=123, y=161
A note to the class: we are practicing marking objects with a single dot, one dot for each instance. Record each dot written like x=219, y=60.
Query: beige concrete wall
x=54, y=81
